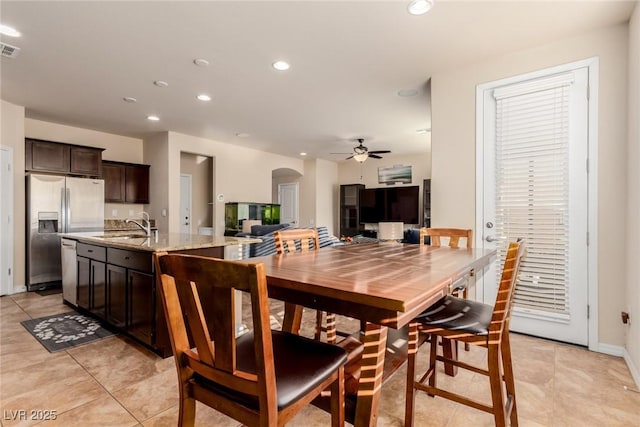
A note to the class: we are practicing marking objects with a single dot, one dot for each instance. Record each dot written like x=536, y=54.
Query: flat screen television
x=398, y=204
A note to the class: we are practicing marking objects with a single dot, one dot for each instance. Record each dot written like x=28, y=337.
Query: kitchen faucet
x=145, y=220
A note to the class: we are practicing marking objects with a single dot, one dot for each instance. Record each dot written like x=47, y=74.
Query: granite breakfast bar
x=115, y=278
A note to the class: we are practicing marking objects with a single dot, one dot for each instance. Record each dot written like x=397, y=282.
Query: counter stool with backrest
x=261, y=378
x=304, y=240
x=461, y=286
x=477, y=324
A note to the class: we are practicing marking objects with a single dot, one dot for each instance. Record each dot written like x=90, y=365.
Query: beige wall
x=632, y=331
x=327, y=195
x=366, y=173
x=453, y=136
x=201, y=170
x=12, y=134
x=241, y=174
x=306, y=195
x=156, y=154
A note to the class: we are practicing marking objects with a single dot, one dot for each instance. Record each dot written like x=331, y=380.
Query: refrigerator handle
x=67, y=210
x=63, y=210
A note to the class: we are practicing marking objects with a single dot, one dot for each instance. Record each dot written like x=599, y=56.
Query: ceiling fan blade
x=339, y=153
x=379, y=152
x=374, y=156
x=350, y=157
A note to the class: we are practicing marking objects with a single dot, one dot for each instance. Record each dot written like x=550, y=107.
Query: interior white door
x=185, y=203
x=533, y=183
x=6, y=222
x=288, y=199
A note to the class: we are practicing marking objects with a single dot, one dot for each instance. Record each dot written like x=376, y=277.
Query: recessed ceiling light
x=9, y=31
x=420, y=7
x=281, y=65
x=303, y=154
x=161, y=83
x=406, y=93
x=204, y=97
x=153, y=118
x=242, y=135
x=129, y=99
x=423, y=130
x=201, y=62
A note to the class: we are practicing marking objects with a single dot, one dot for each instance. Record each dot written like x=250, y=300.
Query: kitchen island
x=115, y=278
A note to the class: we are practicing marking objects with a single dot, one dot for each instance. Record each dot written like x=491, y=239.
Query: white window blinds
x=532, y=188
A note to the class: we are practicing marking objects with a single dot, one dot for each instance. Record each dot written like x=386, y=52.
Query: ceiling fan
x=362, y=153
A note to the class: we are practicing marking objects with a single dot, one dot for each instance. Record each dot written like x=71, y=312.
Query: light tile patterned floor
x=114, y=382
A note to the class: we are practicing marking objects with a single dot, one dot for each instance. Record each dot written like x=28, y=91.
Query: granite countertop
x=163, y=241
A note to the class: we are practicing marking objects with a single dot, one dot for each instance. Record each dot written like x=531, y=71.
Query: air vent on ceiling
x=8, y=50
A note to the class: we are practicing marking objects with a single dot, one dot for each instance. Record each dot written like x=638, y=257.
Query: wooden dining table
x=384, y=284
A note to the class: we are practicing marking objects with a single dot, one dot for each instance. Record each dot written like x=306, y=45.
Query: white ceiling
x=348, y=61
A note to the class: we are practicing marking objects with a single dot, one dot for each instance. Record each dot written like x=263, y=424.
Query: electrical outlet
x=625, y=317
x=114, y=213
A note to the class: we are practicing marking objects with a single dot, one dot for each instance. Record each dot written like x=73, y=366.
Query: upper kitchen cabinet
x=55, y=157
x=125, y=182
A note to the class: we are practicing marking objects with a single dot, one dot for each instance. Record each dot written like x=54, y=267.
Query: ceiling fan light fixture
x=420, y=7
x=360, y=157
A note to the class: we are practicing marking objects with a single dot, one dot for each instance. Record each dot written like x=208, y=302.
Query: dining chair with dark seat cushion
x=436, y=235
x=304, y=240
x=477, y=324
x=261, y=378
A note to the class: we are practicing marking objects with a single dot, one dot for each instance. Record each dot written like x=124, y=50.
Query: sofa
x=268, y=244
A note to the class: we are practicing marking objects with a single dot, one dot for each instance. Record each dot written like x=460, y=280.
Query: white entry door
x=6, y=220
x=533, y=182
x=185, y=203
x=288, y=199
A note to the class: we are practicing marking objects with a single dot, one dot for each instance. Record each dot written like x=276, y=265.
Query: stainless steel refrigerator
x=58, y=204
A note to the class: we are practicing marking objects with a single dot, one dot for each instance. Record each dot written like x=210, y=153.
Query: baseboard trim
x=18, y=289
x=635, y=373
x=612, y=350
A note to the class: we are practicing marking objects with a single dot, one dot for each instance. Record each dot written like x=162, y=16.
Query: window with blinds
x=532, y=189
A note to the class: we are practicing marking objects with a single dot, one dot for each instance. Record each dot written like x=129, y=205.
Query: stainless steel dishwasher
x=69, y=271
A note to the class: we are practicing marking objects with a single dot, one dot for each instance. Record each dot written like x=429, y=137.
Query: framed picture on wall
x=396, y=174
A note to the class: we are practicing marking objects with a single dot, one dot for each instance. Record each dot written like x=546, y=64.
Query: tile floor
x=113, y=382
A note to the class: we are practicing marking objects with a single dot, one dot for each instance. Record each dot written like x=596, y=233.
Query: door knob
x=490, y=239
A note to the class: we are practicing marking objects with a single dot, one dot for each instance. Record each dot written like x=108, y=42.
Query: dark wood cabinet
x=131, y=293
x=141, y=306
x=117, y=295
x=114, y=182
x=84, y=283
x=85, y=161
x=99, y=289
x=47, y=156
x=56, y=157
x=350, y=210
x=125, y=182
x=91, y=289
x=137, y=183
x=118, y=285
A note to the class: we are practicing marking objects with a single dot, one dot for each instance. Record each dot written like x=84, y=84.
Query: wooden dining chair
x=477, y=324
x=461, y=286
x=304, y=240
x=261, y=378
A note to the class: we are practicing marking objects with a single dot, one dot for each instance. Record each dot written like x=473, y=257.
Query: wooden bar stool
x=477, y=324
x=461, y=286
